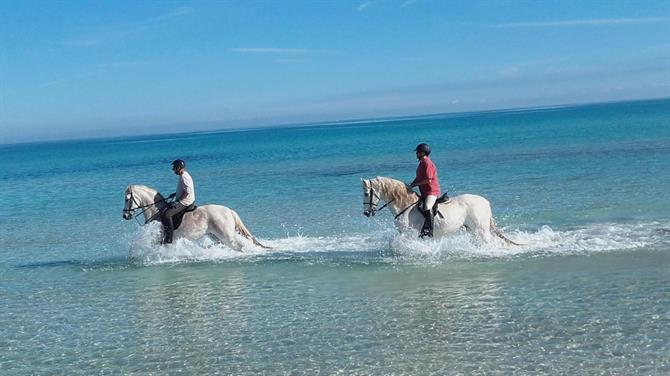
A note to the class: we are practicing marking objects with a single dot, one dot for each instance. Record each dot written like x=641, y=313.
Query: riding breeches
x=429, y=202
x=175, y=209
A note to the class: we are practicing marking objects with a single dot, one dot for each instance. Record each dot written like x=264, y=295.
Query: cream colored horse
x=467, y=211
x=216, y=220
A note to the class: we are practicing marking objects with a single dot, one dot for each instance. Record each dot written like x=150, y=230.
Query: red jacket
x=427, y=170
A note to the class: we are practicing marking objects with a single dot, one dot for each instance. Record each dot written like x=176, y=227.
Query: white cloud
x=180, y=11
x=272, y=50
x=363, y=6
x=288, y=61
x=508, y=72
x=586, y=22
x=52, y=83
x=115, y=32
x=122, y=64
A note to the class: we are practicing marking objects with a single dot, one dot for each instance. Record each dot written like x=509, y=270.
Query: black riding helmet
x=423, y=148
x=178, y=163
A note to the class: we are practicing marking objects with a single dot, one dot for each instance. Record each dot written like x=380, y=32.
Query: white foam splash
x=146, y=248
x=545, y=241
x=594, y=238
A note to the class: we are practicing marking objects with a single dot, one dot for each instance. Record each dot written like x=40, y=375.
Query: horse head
x=370, y=198
x=130, y=204
x=143, y=198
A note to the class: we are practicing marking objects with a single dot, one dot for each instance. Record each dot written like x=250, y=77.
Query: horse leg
x=226, y=235
x=483, y=229
x=485, y=234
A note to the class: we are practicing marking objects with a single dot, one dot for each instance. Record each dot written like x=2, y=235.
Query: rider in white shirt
x=184, y=198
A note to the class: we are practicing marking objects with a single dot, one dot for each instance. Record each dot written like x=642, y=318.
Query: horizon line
x=330, y=122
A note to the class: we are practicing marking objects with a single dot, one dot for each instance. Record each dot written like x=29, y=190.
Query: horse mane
x=152, y=192
x=397, y=191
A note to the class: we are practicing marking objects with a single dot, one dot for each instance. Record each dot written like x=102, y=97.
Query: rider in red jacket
x=429, y=186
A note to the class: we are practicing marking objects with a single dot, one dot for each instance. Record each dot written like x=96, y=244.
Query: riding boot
x=167, y=235
x=427, y=229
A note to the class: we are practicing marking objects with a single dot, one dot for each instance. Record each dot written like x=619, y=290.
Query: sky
x=71, y=69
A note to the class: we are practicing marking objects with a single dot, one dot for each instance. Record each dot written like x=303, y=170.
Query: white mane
x=146, y=190
x=395, y=190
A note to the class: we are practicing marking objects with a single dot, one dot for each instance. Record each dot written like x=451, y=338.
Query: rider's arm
x=421, y=182
x=416, y=182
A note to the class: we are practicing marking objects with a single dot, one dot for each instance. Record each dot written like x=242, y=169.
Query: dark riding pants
x=173, y=210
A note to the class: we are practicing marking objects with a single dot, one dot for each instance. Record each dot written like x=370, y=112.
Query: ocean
x=585, y=188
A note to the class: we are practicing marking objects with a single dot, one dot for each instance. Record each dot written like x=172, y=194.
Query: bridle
x=372, y=206
x=131, y=209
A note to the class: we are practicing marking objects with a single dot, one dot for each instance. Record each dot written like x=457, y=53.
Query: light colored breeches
x=429, y=202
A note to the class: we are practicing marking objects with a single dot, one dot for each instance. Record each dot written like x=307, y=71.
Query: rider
x=426, y=180
x=185, y=197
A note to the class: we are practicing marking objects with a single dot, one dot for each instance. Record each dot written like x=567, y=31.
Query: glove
x=172, y=195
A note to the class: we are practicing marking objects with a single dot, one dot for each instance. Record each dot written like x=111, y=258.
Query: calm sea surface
x=586, y=188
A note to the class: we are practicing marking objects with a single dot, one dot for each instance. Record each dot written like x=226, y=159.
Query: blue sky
x=87, y=69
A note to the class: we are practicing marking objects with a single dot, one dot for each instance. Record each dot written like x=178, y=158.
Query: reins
x=144, y=209
x=374, y=204
x=405, y=209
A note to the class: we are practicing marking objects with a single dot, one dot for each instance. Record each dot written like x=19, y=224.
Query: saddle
x=176, y=219
x=440, y=200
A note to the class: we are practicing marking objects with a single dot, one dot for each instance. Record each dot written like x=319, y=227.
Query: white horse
x=216, y=220
x=467, y=211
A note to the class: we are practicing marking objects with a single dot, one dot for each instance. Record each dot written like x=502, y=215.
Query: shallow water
x=584, y=188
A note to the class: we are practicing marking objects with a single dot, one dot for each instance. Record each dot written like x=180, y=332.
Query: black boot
x=427, y=229
x=167, y=235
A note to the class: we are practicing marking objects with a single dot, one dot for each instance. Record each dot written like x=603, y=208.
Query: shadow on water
x=120, y=263
x=104, y=264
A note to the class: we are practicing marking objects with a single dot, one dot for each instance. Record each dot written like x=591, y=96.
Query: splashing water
x=590, y=239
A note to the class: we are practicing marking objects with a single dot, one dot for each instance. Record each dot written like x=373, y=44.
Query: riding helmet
x=178, y=163
x=423, y=148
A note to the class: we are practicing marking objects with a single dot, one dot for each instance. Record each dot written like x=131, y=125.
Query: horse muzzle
x=127, y=215
x=369, y=213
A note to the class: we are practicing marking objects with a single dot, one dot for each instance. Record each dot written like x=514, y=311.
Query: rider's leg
x=428, y=216
x=168, y=228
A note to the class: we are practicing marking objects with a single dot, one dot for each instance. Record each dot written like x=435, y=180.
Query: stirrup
x=425, y=233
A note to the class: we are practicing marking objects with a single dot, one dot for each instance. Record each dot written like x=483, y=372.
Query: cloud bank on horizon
x=95, y=69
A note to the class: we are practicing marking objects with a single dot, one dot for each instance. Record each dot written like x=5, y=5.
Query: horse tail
x=244, y=231
x=500, y=234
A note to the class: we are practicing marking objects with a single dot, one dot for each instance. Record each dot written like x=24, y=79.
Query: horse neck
x=147, y=196
x=395, y=192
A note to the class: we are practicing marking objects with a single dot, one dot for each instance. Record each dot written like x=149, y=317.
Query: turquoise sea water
x=586, y=188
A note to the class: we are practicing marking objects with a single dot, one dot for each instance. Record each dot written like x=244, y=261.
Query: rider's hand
x=172, y=195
